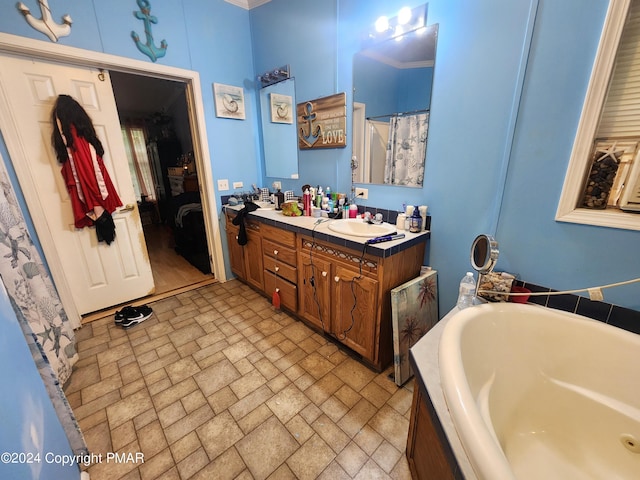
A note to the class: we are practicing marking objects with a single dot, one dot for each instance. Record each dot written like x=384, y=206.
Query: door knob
x=127, y=208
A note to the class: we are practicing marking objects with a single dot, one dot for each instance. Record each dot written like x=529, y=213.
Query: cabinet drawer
x=285, y=255
x=288, y=291
x=284, y=270
x=283, y=237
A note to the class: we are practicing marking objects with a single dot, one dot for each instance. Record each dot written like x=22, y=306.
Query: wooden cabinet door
x=253, y=265
x=355, y=307
x=313, y=290
x=236, y=252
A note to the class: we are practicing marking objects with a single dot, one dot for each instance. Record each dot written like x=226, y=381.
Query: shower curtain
x=406, y=150
x=30, y=287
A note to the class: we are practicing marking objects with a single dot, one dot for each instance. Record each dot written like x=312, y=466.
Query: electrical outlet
x=223, y=185
x=238, y=185
x=277, y=185
x=362, y=193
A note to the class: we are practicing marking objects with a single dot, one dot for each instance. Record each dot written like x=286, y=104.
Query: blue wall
x=509, y=82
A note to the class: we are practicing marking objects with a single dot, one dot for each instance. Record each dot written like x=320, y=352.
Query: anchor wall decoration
x=322, y=122
x=46, y=24
x=148, y=48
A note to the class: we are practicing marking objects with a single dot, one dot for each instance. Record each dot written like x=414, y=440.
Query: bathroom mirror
x=278, y=122
x=392, y=83
x=484, y=254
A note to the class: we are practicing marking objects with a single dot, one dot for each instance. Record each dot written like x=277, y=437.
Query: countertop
x=320, y=231
x=425, y=356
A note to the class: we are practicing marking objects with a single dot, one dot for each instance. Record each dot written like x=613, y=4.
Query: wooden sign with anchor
x=322, y=122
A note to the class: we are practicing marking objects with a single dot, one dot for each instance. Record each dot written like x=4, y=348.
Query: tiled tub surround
x=219, y=384
x=604, y=312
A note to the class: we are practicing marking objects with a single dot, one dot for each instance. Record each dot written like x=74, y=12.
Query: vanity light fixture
x=407, y=20
x=274, y=76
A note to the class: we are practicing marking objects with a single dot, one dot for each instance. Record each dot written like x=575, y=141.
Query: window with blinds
x=619, y=126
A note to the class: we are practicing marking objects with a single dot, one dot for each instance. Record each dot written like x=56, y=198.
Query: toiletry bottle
x=415, y=223
x=306, y=202
x=467, y=291
x=400, y=221
x=423, y=214
x=319, y=197
x=353, y=210
x=279, y=199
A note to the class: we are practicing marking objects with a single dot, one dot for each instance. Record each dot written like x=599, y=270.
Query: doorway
x=41, y=51
x=154, y=119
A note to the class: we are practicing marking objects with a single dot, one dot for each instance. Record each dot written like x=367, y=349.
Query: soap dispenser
x=415, y=224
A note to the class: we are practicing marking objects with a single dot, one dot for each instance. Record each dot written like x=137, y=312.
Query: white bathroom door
x=97, y=275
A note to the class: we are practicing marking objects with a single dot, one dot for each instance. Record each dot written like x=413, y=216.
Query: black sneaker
x=124, y=313
x=135, y=315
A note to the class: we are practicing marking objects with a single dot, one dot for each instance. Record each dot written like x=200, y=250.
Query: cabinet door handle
x=336, y=278
x=236, y=237
x=324, y=274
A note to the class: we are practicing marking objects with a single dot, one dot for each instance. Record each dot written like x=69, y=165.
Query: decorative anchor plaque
x=148, y=48
x=46, y=24
x=322, y=122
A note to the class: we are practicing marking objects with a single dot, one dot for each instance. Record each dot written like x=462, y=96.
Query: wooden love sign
x=322, y=122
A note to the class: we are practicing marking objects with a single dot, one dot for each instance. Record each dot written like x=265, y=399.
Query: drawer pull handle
x=275, y=252
x=336, y=278
x=324, y=274
x=277, y=269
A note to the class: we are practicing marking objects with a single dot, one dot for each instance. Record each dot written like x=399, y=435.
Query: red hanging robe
x=87, y=181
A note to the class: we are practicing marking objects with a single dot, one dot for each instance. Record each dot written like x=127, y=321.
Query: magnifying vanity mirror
x=277, y=116
x=484, y=254
x=392, y=83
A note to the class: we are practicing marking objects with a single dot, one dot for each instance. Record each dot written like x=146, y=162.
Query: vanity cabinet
x=347, y=294
x=337, y=290
x=280, y=265
x=246, y=261
x=315, y=284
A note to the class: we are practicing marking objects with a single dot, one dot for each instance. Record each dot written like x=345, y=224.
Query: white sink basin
x=265, y=205
x=358, y=228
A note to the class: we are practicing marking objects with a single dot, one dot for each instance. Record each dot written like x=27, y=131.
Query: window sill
x=611, y=217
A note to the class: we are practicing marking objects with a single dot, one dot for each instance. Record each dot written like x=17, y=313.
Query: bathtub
x=537, y=393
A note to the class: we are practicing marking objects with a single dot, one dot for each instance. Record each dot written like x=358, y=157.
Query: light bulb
x=382, y=24
x=404, y=15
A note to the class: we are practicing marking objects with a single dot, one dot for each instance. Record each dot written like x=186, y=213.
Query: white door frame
x=37, y=49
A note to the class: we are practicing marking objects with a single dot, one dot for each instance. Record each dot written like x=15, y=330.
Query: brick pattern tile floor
x=219, y=384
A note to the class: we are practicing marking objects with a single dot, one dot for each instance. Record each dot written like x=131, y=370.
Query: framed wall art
x=281, y=108
x=229, y=101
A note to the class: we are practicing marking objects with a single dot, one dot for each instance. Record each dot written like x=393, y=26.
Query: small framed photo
x=281, y=108
x=229, y=101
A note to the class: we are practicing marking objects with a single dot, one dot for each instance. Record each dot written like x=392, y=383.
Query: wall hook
x=101, y=75
x=46, y=24
x=148, y=48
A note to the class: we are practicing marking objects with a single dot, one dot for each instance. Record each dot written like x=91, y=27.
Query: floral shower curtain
x=30, y=287
x=406, y=150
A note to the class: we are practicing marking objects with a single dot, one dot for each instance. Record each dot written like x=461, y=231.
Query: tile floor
x=217, y=384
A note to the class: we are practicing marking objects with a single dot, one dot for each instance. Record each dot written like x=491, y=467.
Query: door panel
x=97, y=275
